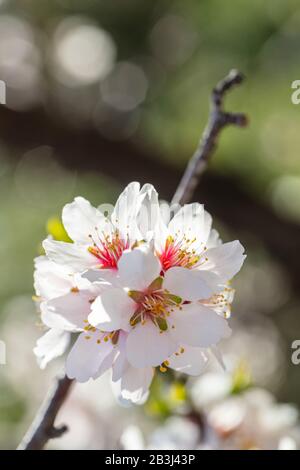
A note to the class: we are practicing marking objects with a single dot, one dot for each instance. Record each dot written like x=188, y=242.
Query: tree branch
x=42, y=428
x=218, y=119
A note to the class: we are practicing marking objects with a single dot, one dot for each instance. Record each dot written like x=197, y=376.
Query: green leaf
x=57, y=230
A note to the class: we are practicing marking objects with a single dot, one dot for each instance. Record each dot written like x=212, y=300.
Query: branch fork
x=218, y=119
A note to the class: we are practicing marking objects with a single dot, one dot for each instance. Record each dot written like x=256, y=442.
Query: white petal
x=149, y=211
x=206, y=227
x=75, y=257
x=87, y=356
x=190, y=361
x=219, y=356
x=214, y=239
x=199, y=326
x=120, y=362
x=138, y=268
x=51, y=280
x=115, y=358
x=51, y=345
x=106, y=363
x=190, y=284
x=161, y=230
x=224, y=260
x=191, y=221
x=125, y=212
x=147, y=346
x=83, y=283
x=80, y=219
x=112, y=310
x=99, y=275
x=134, y=384
x=68, y=312
x=222, y=263
x=42, y=263
x=221, y=303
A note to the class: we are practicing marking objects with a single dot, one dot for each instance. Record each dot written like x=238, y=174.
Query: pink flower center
x=108, y=249
x=178, y=253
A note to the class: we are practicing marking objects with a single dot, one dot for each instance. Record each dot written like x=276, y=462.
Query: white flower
x=210, y=388
x=254, y=420
x=50, y=346
x=248, y=419
x=99, y=240
x=196, y=263
x=177, y=433
x=65, y=301
x=50, y=281
x=163, y=329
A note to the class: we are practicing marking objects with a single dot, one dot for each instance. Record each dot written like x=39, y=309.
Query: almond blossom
x=195, y=261
x=65, y=302
x=99, y=240
x=139, y=292
x=164, y=329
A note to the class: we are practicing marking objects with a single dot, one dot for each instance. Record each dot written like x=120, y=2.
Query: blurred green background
x=102, y=93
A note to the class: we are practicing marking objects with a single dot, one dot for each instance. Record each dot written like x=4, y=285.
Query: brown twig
x=218, y=119
x=42, y=428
